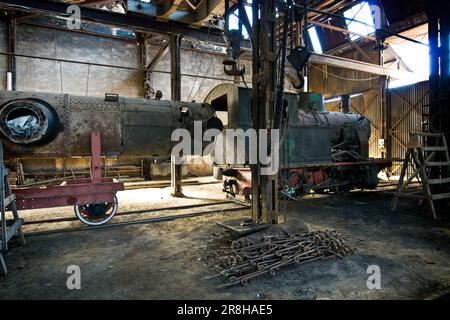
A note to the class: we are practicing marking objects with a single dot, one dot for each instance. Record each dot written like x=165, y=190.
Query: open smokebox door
x=28, y=121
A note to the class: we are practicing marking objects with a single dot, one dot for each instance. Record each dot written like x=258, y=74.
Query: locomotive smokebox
x=57, y=125
x=28, y=121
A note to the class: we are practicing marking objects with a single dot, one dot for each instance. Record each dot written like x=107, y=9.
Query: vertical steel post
x=264, y=188
x=255, y=168
x=175, y=60
x=227, y=15
x=141, y=40
x=439, y=33
x=439, y=43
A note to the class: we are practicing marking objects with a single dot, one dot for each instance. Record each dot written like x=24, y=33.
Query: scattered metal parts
x=251, y=258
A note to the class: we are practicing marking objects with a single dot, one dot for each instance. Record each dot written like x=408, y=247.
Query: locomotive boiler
x=49, y=125
x=320, y=151
x=57, y=125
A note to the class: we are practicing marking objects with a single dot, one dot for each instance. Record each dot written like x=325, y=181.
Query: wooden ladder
x=8, y=228
x=424, y=159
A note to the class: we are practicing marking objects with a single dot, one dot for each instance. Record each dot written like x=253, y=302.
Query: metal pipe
x=176, y=171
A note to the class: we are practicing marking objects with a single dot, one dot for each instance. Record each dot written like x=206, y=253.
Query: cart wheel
x=96, y=214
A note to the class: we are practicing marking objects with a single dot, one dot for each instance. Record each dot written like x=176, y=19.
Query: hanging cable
x=280, y=88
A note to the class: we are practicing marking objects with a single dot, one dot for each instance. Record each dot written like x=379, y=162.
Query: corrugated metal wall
x=405, y=116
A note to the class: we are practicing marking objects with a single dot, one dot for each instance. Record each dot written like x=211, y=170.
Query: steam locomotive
x=320, y=151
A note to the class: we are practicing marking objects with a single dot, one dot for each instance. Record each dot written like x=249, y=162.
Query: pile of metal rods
x=251, y=258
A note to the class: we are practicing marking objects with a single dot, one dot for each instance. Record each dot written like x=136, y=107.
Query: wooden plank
x=434, y=148
x=440, y=196
x=9, y=200
x=426, y=185
x=437, y=164
x=444, y=141
x=3, y=269
x=411, y=196
x=426, y=134
x=339, y=62
x=439, y=181
x=339, y=29
x=12, y=230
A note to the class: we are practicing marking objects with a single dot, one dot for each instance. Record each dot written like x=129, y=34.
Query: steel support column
x=175, y=60
x=439, y=34
x=439, y=42
x=264, y=188
x=141, y=41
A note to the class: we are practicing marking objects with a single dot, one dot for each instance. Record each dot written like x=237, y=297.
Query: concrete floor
x=162, y=260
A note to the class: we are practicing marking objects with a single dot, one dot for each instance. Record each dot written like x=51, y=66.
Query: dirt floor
x=163, y=260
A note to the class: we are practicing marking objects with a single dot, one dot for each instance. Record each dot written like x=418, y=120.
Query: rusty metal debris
x=250, y=258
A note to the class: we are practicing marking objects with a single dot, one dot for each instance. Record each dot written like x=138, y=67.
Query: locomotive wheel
x=96, y=214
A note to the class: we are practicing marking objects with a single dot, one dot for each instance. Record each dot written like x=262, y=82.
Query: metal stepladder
x=431, y=167
x=8, y=228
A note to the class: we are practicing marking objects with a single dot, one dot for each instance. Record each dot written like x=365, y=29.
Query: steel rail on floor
x=141, y=221
x=200, y=205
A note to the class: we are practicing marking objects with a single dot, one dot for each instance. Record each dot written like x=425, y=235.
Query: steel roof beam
x=132, y=21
